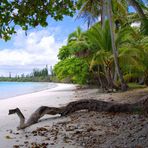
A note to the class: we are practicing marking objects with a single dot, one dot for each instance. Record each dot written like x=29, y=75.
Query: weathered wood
x=86, y=104
x=35, y=116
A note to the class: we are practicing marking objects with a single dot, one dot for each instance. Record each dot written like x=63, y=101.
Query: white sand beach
x=79, y=130
x=28, y=103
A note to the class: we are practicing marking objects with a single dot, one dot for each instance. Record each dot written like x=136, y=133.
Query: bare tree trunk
x=86, y=104
x=115, y=51
x=111, y=80
x=103, y=13
x=99, y=77
x=115, y=75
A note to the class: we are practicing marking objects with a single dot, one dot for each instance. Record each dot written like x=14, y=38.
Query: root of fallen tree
x=86, y=104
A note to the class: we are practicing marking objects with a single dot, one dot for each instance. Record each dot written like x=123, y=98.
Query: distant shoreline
x=20, y=92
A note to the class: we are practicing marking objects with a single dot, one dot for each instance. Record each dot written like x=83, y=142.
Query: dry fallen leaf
x=8, y=137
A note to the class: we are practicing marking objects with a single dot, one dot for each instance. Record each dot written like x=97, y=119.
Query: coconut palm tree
x=114, y=48
x=102, y=54
x=106, y=10
x=129, y=55
x=78, y=44
x=89, y=10
x=77, y=35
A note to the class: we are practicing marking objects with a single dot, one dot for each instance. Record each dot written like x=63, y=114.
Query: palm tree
x=107, y=5
x=141, y=10
x=76, y=35
x=129, y=53
x=140, y=42
x=136, y=5
x=89, y=10
x=102, y=54
x=77, y=43
x=103, y=4
x=114, y=48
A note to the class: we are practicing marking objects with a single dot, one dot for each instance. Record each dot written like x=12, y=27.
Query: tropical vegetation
x=110, y=53
x=113, y=50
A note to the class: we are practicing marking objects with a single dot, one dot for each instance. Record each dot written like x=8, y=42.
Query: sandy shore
x=59, y=95
x=79, y=130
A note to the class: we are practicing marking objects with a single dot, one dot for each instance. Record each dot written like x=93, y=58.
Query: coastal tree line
x=37, y=75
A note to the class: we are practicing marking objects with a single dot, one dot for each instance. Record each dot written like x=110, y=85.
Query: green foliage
x=64, y=52
x=25, y=79
x=97, y=42
x=89, y=10
x=77, y=35
x=31, y=13
x=135, y=86
x=40, y=73
x=73, y=68
x=78, y=46
x=100, y=36
x=101, y=40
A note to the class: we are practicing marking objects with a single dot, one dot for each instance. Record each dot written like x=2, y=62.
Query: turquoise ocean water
x=11, y=89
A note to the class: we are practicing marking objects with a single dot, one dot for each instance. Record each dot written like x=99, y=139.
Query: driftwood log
x=86, y=104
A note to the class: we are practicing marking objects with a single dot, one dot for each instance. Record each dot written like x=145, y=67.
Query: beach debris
x=101, y=130
x=16, y=146
x=40, y=131
x=8, y=137
x=39, y=145
x=91, y=129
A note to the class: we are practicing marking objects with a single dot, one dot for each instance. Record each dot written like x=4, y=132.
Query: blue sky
x=40, y=47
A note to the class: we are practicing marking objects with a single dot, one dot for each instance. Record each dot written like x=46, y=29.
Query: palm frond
x=89, y=11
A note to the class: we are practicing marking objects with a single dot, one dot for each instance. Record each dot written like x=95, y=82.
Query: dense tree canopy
x=73, y=69
x=31, y=13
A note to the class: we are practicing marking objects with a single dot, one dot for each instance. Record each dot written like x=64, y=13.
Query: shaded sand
x=81, y=129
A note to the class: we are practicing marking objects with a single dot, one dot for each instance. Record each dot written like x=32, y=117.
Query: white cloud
x=35, y=50
x=136, y=24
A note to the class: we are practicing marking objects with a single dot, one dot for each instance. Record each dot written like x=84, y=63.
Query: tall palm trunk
x=103, y=13
x=115, y=51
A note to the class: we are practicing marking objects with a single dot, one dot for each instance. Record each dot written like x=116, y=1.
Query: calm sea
x=11, y=89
